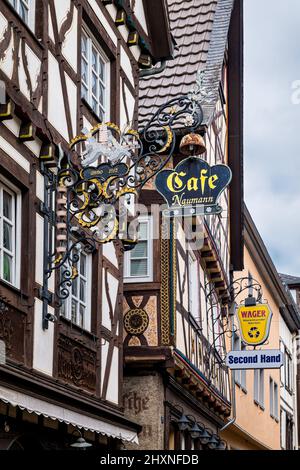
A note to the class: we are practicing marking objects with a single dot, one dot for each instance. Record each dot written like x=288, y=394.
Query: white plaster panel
x=34, y=146
x=34, y=67
x=61, y=8
x=109, y=252
x=179, y=333
x=7, y=63
x=14, y=154
x=56, y=108
x=43, y=341
x=103, y=21
x=50, y=31
x=104, y=352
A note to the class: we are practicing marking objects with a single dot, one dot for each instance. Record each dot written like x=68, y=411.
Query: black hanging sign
x=193, y=187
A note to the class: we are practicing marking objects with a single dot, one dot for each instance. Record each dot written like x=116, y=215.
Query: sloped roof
x=193, y=24
x=290, y=280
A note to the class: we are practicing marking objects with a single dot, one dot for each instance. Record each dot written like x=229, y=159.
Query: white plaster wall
x=113, y=284
x=113, y=381
x=103, y=21
x=14, y=154
x=130, y=104
x=69, y=46
x=39, y=247
x=126, y=65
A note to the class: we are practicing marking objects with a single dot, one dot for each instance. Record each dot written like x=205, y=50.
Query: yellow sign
x=254, y=323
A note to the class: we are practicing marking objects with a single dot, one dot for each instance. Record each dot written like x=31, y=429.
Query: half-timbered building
x=65, y=65
x=177, y=292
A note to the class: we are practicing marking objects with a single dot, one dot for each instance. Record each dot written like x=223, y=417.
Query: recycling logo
x=254, y=332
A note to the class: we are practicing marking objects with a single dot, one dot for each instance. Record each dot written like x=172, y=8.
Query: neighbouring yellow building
x=255, y=420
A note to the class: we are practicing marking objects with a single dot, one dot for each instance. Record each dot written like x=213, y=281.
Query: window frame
x=17, y=231
x=240, y=376
x=87, y=320
x=92, y=42
x=274, y=399
x=127, y=257
x=259, y=388
x=31, y=12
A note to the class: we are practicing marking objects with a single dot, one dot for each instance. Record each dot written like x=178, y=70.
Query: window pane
x=143, y=232
x=74, y=311
x=101, y=94
x=7, y=205
x=7, y=268
x=140, y=251
x=7, y=236
x=84, y=46
x=82, y=290
x=83, y=265
x=139, y=268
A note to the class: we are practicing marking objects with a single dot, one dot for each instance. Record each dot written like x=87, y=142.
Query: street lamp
x=213, y=442
x=80, y=442
x=183, y=423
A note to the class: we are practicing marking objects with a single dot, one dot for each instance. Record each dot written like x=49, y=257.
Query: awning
x=55, y=412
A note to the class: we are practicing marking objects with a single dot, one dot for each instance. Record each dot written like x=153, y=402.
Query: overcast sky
x=272, y=126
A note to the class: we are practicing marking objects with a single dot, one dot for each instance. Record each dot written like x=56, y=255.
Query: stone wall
x=143, y=400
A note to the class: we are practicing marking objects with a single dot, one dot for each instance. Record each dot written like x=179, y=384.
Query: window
x=76, y=307
x=95, y=76
x=9, y=234
x=138, y=263
x=273, y=399
x=26, y=9
x=259, y=388
x=194, y=287
x=288, y=370
x=240, y=375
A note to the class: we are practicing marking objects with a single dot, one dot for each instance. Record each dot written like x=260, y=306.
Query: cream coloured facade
x=260, y=395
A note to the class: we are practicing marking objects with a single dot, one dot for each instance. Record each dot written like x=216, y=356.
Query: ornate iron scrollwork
x=221, y=325
x=104, y=167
